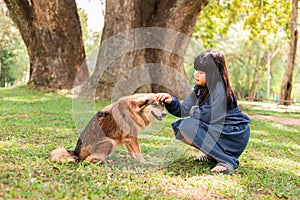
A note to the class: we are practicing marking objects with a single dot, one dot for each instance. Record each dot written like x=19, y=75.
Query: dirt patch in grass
x=281, y=120
x=14, y=116
x=190, y=192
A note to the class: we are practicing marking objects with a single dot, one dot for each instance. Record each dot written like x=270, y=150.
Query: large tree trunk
x=143, y=46
x=52, y=33
x=286, y=86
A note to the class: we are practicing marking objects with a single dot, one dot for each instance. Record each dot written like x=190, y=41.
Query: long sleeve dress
x=220, y=133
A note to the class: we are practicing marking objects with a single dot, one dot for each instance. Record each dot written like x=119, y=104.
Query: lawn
x=33, y=123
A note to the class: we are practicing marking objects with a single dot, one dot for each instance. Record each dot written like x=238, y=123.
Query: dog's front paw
x=139, y=157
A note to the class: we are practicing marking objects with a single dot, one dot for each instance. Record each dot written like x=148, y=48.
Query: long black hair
x=213, y=64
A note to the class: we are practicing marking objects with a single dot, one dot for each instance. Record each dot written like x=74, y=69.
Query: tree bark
x=143, y=46
x=52, y=34
x=286, y=86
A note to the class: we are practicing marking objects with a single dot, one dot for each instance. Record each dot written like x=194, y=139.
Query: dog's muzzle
x=163, y=114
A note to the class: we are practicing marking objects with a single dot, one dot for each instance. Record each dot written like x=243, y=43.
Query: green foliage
x=247, y=31
x=266, y=17
x=215, y=19
x=13, y=56
x=247, y=62
x=34, y=123
x=91, y=39
x=296, y=78
x=260, y=17
x=5, y=73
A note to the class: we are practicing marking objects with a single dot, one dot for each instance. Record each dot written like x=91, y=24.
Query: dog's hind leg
x=100, y=151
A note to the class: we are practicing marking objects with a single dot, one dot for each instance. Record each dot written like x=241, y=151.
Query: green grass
x=34, y=123
x=275, y=112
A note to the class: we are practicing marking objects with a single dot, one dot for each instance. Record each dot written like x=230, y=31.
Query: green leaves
x=13, y=55
x=247, y=31
x=263, y=18
x=215, y=19
x=260, y=17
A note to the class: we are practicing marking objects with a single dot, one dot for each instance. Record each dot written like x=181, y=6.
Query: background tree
x=286, y=87
x=262, y=28
x=126, y=15
x=91, y=40
x=242, y=54
x=52, y=34
x=13, y=57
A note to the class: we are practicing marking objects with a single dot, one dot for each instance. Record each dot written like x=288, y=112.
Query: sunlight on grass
x=22, y=99
x=270, y=142
x=284, y=165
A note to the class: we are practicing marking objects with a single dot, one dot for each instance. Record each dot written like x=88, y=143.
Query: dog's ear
x=139, y=102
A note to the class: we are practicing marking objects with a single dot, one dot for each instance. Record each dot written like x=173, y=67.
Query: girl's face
x=200, y=77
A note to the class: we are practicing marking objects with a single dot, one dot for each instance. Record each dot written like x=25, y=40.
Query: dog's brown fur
x=116, y=124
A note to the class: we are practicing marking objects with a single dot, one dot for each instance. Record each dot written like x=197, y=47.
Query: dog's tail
x=62, y=155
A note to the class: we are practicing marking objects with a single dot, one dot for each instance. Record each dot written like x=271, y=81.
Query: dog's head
x=147, y=106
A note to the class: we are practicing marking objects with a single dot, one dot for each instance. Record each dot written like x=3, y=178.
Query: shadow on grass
x=188, y=167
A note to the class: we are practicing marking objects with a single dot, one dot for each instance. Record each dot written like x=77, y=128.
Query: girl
x=215, y=125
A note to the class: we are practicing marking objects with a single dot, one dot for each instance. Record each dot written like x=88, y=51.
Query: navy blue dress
x=220, y=133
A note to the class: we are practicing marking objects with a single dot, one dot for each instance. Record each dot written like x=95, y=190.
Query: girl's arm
x=177, y=108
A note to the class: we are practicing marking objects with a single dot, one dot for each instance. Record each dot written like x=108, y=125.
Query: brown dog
x=116, y=124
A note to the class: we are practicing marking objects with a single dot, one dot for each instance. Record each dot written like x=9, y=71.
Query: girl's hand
x=164, y=97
